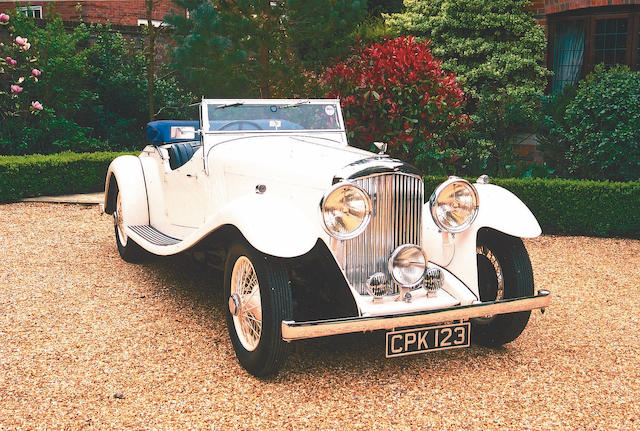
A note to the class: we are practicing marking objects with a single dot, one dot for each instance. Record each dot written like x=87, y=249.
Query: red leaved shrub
x=396, y=92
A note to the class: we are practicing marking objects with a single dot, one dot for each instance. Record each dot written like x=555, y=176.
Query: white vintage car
x=318, y=238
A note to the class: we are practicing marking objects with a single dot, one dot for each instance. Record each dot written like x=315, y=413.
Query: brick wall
x=118, y=12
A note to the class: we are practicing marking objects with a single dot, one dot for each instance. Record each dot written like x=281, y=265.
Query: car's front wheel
x=504, y=271
x=259, y=295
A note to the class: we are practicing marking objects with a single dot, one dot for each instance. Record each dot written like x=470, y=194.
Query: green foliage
x=550, y=134
x=93, y=89
x=36, y=175
x=571, y=207
x=377, y=7
x=496, y=50
x=255, y=48
x=594, y=132
x=372, y=30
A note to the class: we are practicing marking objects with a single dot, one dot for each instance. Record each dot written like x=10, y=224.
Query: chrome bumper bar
x=319, y=328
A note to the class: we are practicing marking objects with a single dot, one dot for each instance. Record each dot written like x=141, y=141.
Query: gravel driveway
x=89, y=341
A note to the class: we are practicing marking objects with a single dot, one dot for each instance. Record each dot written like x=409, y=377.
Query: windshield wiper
x=293, y=105
x=227, y=105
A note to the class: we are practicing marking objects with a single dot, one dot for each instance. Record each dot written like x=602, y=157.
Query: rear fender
x=125, y=174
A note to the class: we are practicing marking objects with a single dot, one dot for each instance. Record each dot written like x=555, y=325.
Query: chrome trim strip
x=292, y=330
x=375, y=166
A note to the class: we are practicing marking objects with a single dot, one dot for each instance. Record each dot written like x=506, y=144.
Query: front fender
x=500, y=210
x=125, y=175
x=272, y=225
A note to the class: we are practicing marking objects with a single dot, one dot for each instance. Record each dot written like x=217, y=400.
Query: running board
x=154, y=236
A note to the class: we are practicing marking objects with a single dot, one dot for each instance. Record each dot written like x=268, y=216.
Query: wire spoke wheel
x=259, y=295
x=248, y=319
x=128, y=249
x=118, y=221
x=490, y=278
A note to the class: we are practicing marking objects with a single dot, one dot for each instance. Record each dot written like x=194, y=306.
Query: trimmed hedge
x=56, y=174
x=571, y=207
x=561, y=206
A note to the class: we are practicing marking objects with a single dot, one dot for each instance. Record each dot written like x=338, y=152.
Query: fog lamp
x=407, y=264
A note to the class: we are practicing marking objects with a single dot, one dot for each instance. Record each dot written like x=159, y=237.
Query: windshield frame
x=206, y=103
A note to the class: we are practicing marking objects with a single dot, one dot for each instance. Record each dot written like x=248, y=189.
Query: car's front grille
x=397, y=201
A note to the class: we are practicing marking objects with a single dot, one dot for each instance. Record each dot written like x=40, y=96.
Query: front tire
x=257, y=287
x=504, y=271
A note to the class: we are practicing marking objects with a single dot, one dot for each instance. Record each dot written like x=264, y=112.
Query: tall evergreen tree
x=258, y=48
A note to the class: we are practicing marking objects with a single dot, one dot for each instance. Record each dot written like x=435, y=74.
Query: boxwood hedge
x=572, y=207
x=561, y=206
x=56, y=174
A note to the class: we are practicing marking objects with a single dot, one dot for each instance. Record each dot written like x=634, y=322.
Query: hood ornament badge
x=382, y=146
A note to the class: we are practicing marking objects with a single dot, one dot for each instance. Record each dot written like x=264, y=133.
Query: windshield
x=274, y=116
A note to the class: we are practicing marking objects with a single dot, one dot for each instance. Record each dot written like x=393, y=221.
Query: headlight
x=454, y=205
x=346, y=211
x=407, y=264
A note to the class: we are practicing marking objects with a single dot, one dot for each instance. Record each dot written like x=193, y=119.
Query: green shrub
x=571, y=207
x=37, y=175
x=94, y=91
x=550, y=134
x=496, y=50
x=599, y=133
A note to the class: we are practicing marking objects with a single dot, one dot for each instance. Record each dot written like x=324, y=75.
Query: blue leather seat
x=180, y=153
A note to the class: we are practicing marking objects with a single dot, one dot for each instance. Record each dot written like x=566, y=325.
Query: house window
x=31, y=11
x=610, y=41
x=580, y=40
x=154, y=22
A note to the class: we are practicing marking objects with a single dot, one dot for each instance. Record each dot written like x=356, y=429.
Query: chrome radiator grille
x=396, y=219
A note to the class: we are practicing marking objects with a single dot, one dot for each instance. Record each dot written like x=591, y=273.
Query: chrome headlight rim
x=365, y=221
x=474, y=212
x=393, y=257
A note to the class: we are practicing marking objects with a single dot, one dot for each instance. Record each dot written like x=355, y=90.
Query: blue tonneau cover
x=159, y=132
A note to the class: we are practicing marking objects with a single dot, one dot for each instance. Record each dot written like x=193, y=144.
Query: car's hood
x=296, y=160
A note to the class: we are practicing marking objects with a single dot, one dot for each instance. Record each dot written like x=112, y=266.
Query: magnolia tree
x=18, y=72
x=397, y=92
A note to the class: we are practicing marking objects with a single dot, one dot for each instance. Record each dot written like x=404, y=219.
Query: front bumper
x=319, y=328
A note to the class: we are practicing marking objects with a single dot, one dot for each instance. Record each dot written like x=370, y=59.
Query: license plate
x=419, y=340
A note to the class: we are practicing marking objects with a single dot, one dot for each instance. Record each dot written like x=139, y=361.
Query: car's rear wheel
x=504, y=271
x=257, y=287
x=129, y=250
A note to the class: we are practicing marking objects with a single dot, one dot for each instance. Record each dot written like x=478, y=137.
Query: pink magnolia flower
x=21, y=40
x=26, y=46
x=36, y=106
x=4, y=18
x=36, y=72
x=16, y=89
x=11, y=61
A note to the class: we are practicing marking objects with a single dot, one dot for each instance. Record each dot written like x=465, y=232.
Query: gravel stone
x=78, y=326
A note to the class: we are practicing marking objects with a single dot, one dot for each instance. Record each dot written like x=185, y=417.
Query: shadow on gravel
x=199, y=288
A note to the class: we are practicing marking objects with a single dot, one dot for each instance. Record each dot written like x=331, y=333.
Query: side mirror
x=183, y=132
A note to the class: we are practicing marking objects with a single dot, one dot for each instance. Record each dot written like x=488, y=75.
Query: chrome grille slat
x=397, y=201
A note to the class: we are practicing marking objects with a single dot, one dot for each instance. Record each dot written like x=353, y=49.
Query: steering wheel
x=255, y=125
